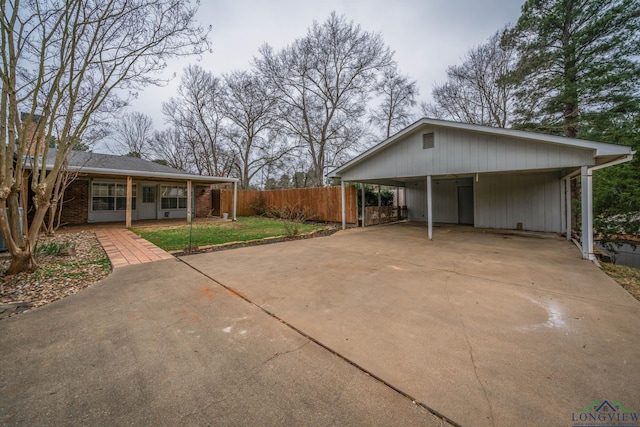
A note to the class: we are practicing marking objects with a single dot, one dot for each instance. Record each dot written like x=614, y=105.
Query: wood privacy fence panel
x=320, y=203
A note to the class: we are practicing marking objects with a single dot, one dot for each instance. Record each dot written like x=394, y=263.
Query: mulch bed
x=57, y=276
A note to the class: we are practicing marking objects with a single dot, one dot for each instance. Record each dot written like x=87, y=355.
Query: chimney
x=32, y=134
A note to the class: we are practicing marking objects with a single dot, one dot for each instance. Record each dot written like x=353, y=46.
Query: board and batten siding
x=502, y=201
x=459, y=152
x=445, y=199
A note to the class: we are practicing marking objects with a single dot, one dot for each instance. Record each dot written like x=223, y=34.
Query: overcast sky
x=426, y=35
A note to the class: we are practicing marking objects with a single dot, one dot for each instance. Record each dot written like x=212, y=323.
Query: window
x=173, y=197
x=427, y=141
x=108, y=196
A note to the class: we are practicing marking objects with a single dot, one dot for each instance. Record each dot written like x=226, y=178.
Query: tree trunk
x=23, y=261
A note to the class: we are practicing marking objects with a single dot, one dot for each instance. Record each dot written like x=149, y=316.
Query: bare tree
x=133, y=134
x=169, y=146
x=196, y=114
x=478, y=90
x=62, y=65
x=323, y=82
x=253, y=132
x=398, y=97
x=64, y=180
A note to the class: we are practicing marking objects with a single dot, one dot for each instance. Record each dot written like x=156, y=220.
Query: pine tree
x=578, y=75
x=578, y=72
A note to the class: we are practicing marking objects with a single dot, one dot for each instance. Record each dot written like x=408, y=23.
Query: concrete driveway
x=485, y=328
x=160, y=344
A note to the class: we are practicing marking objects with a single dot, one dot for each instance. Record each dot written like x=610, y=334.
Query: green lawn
x=214, y=233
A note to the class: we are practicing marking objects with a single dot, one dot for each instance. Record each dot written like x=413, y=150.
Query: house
x=109, y=188
x=487, y=177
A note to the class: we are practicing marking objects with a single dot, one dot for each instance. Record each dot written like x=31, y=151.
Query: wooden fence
x=384, y=214
x=320, y=204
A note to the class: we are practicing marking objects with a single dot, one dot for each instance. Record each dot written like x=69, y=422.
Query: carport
x=487, y=177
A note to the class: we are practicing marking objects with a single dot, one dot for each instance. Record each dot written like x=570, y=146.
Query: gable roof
x=604, y=152
x=113, y=165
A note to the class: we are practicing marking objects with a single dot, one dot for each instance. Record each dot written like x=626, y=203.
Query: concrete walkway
x=126, y=248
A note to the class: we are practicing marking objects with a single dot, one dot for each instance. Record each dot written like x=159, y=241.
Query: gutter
x=163, y=175
x=624, y=159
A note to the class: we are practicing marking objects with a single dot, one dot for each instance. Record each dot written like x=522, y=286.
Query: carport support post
x=127, y=215
x=344, y=205
x=587, y=213
x=567, y=195
x=429, y=209
x=379, y=203
x=363, y=207
x=235, y=201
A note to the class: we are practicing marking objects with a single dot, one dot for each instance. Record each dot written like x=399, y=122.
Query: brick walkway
x=125, y=248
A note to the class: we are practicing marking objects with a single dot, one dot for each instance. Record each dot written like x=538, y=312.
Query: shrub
x=51, y=248
x=292, y=217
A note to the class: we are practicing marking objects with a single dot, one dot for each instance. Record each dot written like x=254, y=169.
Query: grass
x=627, y=277
x=215, y=233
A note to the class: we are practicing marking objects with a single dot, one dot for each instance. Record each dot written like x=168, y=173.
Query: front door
x=465, y=205
x=215, y=203
x=148, y=209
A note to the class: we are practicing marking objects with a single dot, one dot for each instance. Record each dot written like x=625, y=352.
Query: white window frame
x=179, y=194
x=117, y=191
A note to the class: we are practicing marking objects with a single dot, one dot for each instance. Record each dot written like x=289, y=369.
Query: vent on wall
x=427, y=141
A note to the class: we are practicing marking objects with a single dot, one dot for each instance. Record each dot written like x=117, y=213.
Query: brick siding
x=203, y=201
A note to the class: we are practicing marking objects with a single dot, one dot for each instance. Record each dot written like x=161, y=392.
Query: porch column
x=344, y=205
x=429, y=209
x=235, y=201
x=567, y=197
x=586, y=191
x=364, y=220
x=129, y=202
x=189, y=202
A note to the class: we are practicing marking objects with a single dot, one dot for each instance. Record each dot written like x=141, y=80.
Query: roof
x=113, y=165
x=605, y=151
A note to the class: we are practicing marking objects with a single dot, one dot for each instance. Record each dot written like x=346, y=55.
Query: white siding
x=416, y=198
x=460, y=152
x=502, y=201
x=445, y=199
